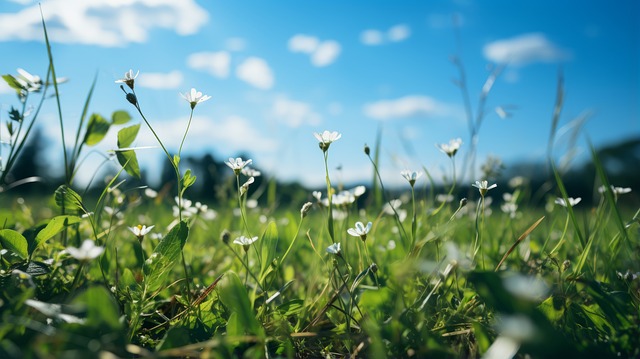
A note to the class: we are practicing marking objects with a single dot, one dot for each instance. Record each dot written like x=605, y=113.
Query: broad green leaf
x=96, y=129
x=14, y=242
x=129, y=161
x=55, y=226
x=268, y=246
x=234, y=296
x=291, y=307
x=167, y=253
x=67, y=198
x=101, y=309
x=120, y=117
x=13, y=83
x=127, y=135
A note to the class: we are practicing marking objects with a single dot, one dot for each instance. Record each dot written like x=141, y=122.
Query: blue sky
x=278, y=71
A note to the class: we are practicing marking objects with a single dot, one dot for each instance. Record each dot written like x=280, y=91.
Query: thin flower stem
x=241, y=206
x=329, y=197
x=561, y=240
x=185, y=133
x=402, y=233
x=414, y=224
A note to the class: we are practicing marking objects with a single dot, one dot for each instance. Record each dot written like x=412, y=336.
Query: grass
x=457, y=279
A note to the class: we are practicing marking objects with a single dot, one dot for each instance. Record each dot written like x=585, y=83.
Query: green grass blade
x=54, y=80
x=572, y=215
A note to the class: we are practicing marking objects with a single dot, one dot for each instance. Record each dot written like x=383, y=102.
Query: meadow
x=447, y=270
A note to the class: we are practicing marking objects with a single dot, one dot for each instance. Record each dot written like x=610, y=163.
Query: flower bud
x=305, y=209
x=132, y=99
x=225, y=236
x=463, y=202
x=367, y=150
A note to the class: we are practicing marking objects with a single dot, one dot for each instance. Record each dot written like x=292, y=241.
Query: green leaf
x=127, y=135
x=166, y=254
x=96, y=129
x=129, y=161
x=55, y=226
x=101, y=309
x=14, y=242
x=120, y=117
x=13, y=83
x=268, y=246
x=234, y=296
x=188, y=180
x=68, y=199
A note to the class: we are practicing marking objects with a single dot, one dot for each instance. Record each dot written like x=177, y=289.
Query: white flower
x=250, y=172
x=615, y=190
x=358, y=191
x=129, y=78
x=140, y=230
x=195, y=97
x=245, y=186
x=187, y=209
x=360, y=230
x=510, y=208
x=317, y=195
x=29, y=82
x=326, y=138
x=86, y=252
x=149, y=192
x=334, y=249
x=245, y=242
x=572, y=201
x=237, y=164
x=451, y=148
x=411, y=176
x=483, y=187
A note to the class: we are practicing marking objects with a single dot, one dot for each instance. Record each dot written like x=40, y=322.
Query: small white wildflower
x=411, y=176
x=326, y=138
x=452, y=148
x=334, y=249
x=237, y=164
x=483, y=187
x=245, y=187
x=444, y=198
x=195, y=97
x=358, y=191
x=140, y=231
x=129, y=78
x=245, y=242
x=150, y=193
x=360, y=230
x=87, y=251
x=250, y=172
x=615, y=190
x=572, y=201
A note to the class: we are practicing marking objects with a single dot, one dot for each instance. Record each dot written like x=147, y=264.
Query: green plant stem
x=329, y=197
x=185, y=132
x=561, y=240
x=414, y=224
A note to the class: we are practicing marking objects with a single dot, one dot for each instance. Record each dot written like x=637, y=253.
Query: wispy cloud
x=405, y=107
x=294, y=113
x=322, y=53
x=256, y=72
x=102, y=22
x=524, y=49
x=396, y=33
x=160, y=81
x=235, y=44
x=215, y=63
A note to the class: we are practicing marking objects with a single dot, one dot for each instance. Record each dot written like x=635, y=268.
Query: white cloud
x=396, y=33
x=4, y=88
x=404, y=107
x=303, y=43
x=158, y=80
x=371, y=37
x=106, y=23
x=322, y=53
x=524, y=49
x=326, y=53
x=235, y=44
x=214, y=63
x=294, y=113
x=256, y=72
